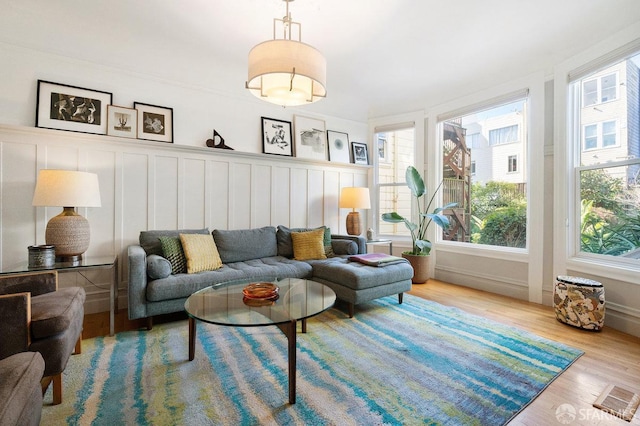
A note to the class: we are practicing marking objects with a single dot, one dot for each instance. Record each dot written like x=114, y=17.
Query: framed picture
x=311, y=138
x=71, y=108
x=122, y=122
x=276, y=137
x=155, y=123
x=338, y=146
x=360, y=154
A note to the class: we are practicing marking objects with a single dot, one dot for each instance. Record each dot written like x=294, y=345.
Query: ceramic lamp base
x=353, y=223
x=69, y=233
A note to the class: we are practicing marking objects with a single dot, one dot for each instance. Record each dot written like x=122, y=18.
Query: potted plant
x=421, y=246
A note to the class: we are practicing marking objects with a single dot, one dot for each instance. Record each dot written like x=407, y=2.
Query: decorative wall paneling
x=153, y=185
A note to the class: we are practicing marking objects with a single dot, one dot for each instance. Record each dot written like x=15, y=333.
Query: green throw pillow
x=172, y=251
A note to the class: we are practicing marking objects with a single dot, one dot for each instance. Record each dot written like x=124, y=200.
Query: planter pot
x=420, y=265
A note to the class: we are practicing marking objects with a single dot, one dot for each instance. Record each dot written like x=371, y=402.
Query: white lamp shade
x=272, y=64
x=355, y=198
x=66, y=188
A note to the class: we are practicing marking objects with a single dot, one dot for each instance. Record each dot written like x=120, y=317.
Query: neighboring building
x=610, y=117
x=498, y=151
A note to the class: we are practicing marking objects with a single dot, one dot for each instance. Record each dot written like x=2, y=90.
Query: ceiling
x=383, y=56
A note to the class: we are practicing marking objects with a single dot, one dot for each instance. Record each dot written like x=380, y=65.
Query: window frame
x=491, y=250
x=567, y=256
x=599, y=136
x=413, y=120
x=598, y=80
x=512, y=160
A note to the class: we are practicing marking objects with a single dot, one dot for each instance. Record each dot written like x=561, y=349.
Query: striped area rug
x=415, y=363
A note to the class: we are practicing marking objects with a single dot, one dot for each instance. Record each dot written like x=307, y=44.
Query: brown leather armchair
x=36, y=316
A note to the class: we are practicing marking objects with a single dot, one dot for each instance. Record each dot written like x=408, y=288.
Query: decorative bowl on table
x=261, y=291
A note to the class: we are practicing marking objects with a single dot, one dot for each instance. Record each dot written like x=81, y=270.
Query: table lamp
x=68, y=232
x=354, y=198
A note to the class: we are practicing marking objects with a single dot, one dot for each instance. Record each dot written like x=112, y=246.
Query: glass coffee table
x=224, y=304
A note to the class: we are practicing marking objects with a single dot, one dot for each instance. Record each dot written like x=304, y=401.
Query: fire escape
x=456, y=187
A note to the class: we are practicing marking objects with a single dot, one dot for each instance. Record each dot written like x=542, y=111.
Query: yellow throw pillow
x=201, y=253
x=308, y=245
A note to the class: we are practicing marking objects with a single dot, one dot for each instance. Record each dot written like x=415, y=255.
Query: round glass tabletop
x=225, y=304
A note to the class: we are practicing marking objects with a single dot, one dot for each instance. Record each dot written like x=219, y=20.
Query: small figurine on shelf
x=211, y=143
x=370, y=234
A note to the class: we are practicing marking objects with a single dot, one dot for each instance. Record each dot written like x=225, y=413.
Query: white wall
x=148, y=185
x=155, y=185
x=197, y=110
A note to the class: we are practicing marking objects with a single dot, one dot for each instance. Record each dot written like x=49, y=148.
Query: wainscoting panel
x=261, y=195
x=165, y=192
x=299, y=198
x=192, y=197
x=241, y=203
x=134, y=192
x=281, y=204
x=219, y=190
x=17, y=216
x=149, y=185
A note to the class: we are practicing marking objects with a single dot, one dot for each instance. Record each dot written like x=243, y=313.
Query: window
x=393, y=193
x=487, y=182
x=473, y=140
x=599, y=90
x=383, y=151
x=607, y=188
x=503, y=135
x=600, y=135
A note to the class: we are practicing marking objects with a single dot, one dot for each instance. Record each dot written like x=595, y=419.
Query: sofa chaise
x=260, y=254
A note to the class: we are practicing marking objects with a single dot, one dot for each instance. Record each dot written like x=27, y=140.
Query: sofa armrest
x=360, y=241
x=36, y=283
x=15, y=319
x=137, y=259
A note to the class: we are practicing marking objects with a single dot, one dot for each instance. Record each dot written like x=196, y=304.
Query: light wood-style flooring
x=611, y=357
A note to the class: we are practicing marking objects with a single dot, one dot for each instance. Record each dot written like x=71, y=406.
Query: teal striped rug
x=415, y=363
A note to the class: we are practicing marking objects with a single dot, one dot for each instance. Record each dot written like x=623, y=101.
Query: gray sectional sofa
x=260, y=254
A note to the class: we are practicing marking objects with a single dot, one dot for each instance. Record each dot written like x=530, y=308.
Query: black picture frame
x=155, y=123
x=276, y=137
x=76, y=109
x=360, y=153
x=338, y=146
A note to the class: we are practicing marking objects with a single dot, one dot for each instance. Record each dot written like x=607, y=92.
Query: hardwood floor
x=611, y=357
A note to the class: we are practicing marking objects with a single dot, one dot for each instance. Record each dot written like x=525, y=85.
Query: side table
x=86, y=263
x=381, y=242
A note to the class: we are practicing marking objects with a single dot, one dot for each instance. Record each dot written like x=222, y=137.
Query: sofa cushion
x=20, y=392
x=308, y=245
x=172, y=251
x=357, y=276
x=285, y=245
x=53, y=313
x=201, y=253
x=158, y=267
x=151, y=244
x=266, y=269
x=245, y=244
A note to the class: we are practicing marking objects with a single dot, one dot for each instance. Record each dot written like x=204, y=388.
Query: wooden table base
x=288, y=329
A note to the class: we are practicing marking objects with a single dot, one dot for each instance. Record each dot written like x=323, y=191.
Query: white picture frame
x=122, y=122
x=310, y=138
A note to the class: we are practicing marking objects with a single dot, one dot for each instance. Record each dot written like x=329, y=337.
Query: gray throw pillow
x=239, y=245
x=158, y=267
